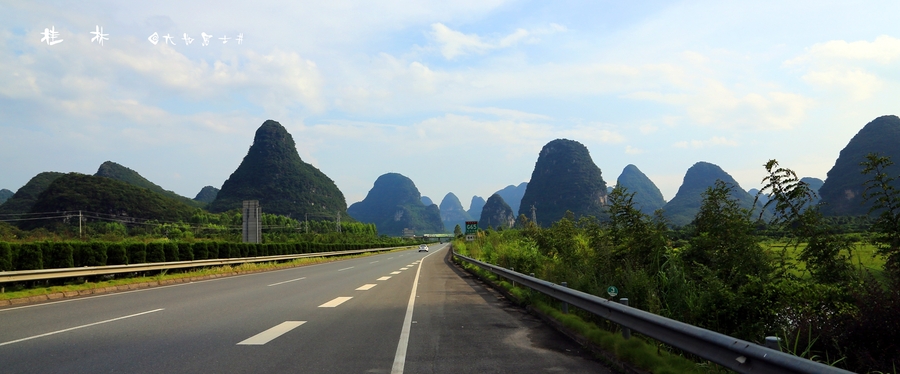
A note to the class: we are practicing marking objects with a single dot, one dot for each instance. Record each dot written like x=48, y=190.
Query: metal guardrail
x=735, y=354
x=26, y=275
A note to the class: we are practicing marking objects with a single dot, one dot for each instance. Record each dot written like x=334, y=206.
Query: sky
x=459, y=96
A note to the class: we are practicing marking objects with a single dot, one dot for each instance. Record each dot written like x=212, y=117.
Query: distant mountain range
x=5, y=195
x=118, y=172
x=23, y=200
x=565, y=178
x=647, y=197
x=273, y=173
x=496, y=214
x=74, y=192
x=207, y=194
x=394, y=204
x=841, y=193
x=682, y=209
x=452, y=213
x=475, y=206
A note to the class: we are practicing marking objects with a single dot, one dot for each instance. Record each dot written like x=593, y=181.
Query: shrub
x=234, y=250
x=57, y=255
x=185, y=252
x=6, y=263
x=212, y=250
x=90, y=254
x=136, y=253
x=156, y=252
x=200, y=250
x=28, y=257
x=171, y=250
x=115, y=254
x=262, y=249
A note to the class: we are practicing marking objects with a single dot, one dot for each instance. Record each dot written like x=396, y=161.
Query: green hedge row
x=49, y=255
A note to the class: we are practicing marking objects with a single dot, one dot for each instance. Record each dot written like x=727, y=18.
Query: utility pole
x=339, y=222
x=533, y=214
x=79, y=223
x=307, y=223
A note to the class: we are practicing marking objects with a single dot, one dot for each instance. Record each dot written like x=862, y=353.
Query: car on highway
x=423, y=247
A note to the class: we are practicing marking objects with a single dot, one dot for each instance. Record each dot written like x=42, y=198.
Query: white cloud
x=454, y=43
x=883, y=50
x=717, y=105
x=859, y=84
x=632, y=150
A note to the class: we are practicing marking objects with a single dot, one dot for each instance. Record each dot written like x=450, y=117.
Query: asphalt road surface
x=396, y=312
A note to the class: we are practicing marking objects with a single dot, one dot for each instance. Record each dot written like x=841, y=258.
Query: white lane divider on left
x=272, y=333
x=337, y=301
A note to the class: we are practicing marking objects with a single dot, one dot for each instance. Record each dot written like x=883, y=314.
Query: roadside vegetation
x=831, y=295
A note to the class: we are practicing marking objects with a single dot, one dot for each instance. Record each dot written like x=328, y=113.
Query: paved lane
x=339, y=317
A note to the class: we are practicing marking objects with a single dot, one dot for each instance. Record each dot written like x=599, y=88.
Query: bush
x=171, y=250
x=156, y=252
x=90, y=254
x=6, y=263
x=200, y=251
x=115, y=254
x=28, y=257
x=57, y=255
x=212, y=250
x=262, y=249
x=136, y=253
x=185, y=252
x=234, y=250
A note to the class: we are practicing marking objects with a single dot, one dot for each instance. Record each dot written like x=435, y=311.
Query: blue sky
x=459, y=96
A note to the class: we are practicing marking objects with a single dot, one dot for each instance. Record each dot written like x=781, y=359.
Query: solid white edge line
x=400, y=357
x=346, y=268
x=272, y=333
x=79, y=327
x=287, y=281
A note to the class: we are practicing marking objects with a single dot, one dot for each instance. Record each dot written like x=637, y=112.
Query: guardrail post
x=565, y=305
x=626, y=332
x=773, y=342
x=514, y=282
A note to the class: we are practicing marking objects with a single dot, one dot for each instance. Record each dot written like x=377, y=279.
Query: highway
x=396, y=312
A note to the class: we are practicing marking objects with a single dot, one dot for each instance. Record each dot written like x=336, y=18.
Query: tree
x=457, y=231
x=827, y=255
x=886, y=202
x=723, y=240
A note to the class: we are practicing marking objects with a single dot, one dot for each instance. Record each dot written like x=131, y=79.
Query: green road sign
x=612, y=291
x=471, y=227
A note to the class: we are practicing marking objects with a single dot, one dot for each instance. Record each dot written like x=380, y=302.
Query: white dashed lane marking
x=366, y=287
x=404, y=268
x=272, y=333
x=287, y=281
x=337, y=301
x=80, y=327
x=384, y=278
x=346, y=268
x=395, y=272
